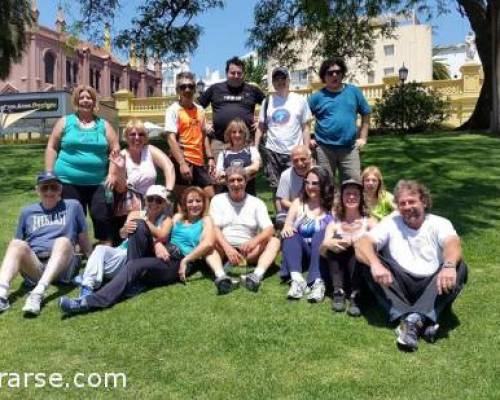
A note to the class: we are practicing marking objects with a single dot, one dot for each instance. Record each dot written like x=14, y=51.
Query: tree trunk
x=480, y=20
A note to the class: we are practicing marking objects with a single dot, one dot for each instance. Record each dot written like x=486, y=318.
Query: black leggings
x=344, y=270
x=142, y=266
x=92, y=197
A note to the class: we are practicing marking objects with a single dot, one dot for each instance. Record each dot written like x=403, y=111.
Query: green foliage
x=411, y=108
x=255, y=72
x=440, y=70
x=15, y=20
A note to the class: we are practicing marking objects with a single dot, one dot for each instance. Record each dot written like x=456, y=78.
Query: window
x=92, y=77
x=49, y=61
x=75, y=73
x=389, y=50
x=112, y=84
x=97, y=79
x=389, y=71
x=298, y=79
x=371, y=77
x=151, y=91
x=68, y=72
x=117, y=84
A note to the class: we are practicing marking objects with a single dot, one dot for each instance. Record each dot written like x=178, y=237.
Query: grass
x=185, y=342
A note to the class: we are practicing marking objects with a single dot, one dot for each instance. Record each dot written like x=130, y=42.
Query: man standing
x=231, y=99
x=291, y=181
x=243, y=229
x=416, y=266
x=186, y=136
x=284, y=119
x=336, y=108
x=43, y=247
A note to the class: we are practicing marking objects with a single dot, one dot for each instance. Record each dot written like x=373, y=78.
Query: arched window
x=49, y=61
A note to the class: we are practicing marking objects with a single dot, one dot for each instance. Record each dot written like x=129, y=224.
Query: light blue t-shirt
x=186, y=236
x=40, y=227
x=83, y=153
x=336, y=114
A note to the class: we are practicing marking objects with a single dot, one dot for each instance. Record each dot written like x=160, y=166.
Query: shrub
x=411, y=108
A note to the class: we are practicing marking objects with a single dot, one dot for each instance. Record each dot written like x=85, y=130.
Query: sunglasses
x=54, y=187
x=332, y=72
x=137, y=134
x=312, y=183
x=185, y=86
x=155, y=199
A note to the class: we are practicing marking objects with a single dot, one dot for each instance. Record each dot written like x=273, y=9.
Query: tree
x=440, y=70
x=15, y=20
x=255, y=71
x=343, y=27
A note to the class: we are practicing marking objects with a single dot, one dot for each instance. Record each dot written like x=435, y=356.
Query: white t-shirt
x=239, y=221
x=290, y=185
x=141, y=176
x=254, y=156
x=419, y=252
x=285, y=117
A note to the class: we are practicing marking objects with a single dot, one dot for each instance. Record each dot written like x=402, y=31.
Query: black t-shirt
x=229, y=103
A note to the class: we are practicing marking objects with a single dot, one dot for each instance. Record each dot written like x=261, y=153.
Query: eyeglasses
x=137, y=134
x=312, y=183
x=54, y=187
x=332, y=72
x=185, y=86
x=279, y=77
x=155, y=199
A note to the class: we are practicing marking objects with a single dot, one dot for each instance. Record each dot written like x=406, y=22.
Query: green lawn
x=185, y=342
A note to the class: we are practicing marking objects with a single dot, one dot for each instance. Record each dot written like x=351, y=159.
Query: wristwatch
x=449, y=264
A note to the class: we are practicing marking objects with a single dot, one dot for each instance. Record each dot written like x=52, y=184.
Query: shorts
x=201, y=177
x=274, y=165
x=65, y=276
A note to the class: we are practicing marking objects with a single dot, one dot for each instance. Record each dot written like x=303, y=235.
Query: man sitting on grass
x=416, y=266
x=43, y=247
x=243, y=229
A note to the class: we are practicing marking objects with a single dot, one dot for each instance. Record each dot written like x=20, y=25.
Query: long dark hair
x=325, y=187
x=339, y=205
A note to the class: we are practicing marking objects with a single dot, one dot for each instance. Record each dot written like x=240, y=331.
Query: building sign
x=42, y=105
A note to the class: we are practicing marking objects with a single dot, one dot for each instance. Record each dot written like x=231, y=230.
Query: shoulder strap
x=266, y=106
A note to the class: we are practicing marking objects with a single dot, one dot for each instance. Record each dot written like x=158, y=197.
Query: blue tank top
x=83, y=153
x=186, y=236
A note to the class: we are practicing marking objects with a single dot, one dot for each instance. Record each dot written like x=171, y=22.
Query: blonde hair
x=138, y=125
x=373, y=170
x=76, y=95
x=238, y=124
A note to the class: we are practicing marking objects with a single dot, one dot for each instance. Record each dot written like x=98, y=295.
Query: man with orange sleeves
x=185, y=127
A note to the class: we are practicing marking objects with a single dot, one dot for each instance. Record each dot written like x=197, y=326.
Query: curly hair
x=326, y=190
x=413, y=187
x=325, y=66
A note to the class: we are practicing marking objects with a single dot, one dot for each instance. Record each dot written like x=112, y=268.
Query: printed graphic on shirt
x=281, y=116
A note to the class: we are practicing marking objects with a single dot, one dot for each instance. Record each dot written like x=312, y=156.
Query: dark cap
x=351, y=181
x=46, y=176
x=280, y=71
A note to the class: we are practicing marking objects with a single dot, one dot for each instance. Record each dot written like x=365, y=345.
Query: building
x=169, y=71
x=454, y=56
x=56, y=61
x=411, y=44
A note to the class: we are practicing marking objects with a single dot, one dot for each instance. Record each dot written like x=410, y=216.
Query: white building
x=454, y=56
x=169, y=70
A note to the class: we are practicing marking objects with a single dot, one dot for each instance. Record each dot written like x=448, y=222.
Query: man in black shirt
x=231, y=99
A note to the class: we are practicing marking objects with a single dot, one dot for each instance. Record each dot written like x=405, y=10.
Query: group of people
x=349, y=235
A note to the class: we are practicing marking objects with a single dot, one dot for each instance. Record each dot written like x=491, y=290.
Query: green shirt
x=384, y=206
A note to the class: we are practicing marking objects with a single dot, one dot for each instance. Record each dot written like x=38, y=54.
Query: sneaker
x=225, y=284
x=430, y=333
x=297, y=289
x=73, y=306
x=407, y=333
x=317, y=293
x=77, y=280
x=251, y=282
x=353, y=310
x=4, y=304
x=33, y=304
x=338, y=301
x=85, y=291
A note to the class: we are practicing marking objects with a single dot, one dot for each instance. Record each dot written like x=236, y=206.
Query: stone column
x=106, y=78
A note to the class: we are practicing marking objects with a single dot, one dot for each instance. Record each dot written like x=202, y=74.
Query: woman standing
x=77, y=152
x=378, y=201
x=302, y=235
x=338, y=245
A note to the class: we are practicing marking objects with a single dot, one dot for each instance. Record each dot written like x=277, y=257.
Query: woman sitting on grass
x=238, y=152
x=338, y=246
x=106, y=261
x=303, y=233
x=154, y=262
x=378, y=201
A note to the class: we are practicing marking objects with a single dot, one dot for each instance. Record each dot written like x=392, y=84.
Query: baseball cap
x=280, y=71
x=352, y=181
x=157, y=190
x=46, y=176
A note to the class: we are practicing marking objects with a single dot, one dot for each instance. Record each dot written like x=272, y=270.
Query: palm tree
x=15, y=19
x=440, y=70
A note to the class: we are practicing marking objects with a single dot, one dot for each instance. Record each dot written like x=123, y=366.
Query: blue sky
x=225, y=31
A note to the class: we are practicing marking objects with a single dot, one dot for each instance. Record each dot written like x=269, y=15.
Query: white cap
x=157, y=190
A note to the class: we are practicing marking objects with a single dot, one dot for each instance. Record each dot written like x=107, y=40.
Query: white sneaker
x=33, y=304
x=297, y=289
x=317, y=293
